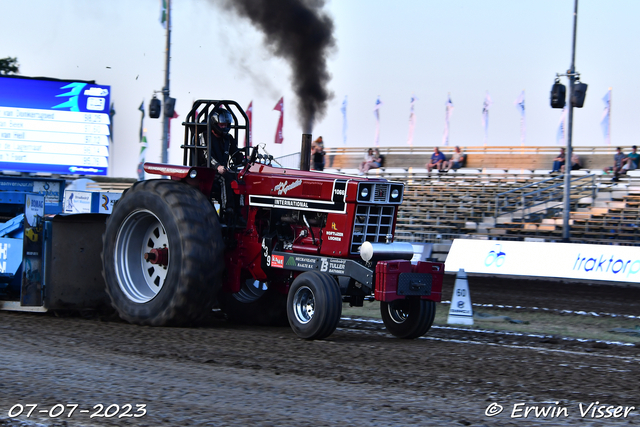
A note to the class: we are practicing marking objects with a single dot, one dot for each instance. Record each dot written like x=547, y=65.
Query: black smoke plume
x=301, y=33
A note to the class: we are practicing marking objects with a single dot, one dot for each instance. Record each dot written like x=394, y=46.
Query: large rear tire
x=162, y=254
x=408, y=318
x=314, y=305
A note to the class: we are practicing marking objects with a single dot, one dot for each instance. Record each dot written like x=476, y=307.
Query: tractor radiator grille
x=372, y=224
x=380, y=192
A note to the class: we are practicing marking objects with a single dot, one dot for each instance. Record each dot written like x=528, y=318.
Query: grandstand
x=601, y=212
x=507, y=158
x=506, y=193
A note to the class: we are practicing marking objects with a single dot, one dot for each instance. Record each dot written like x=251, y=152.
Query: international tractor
x=300, y=244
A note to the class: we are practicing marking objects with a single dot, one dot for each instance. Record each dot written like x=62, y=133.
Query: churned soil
x=223, y=374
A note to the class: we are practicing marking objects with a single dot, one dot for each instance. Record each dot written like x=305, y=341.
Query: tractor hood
x=292, y=188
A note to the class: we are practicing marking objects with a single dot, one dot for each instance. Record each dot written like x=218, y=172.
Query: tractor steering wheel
x=235, y=163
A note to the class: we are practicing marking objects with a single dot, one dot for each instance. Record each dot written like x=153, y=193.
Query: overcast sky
x=394, y=50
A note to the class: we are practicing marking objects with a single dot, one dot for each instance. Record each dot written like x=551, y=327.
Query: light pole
x=577, y=93
x=566, y=229
x=165, y=89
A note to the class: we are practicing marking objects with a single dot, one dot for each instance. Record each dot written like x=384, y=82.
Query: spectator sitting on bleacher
x=375, y=162
x=456, y=161
x=558, y=162
x=631, y=161
x=575, y=163
x=437, y=160
x=618, y=160
x=367, y=158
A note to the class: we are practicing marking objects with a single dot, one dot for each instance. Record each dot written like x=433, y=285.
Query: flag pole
x=566, y=231
x=165, y=89
x=609, y=118
x=522, y=123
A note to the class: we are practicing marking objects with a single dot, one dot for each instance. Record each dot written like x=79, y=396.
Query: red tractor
x=300, y=245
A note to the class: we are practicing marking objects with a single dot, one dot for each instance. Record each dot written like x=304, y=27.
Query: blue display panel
x=54, y=126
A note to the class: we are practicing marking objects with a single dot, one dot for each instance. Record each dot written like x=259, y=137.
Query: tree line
x=8, y=66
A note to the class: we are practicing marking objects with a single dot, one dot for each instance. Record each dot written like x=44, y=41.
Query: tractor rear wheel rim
x=139, y=279
x=304, y=304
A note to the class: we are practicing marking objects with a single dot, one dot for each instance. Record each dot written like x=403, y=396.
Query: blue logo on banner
x=605, y=264
x=495, y=256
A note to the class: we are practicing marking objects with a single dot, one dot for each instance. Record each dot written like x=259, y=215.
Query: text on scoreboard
x=54, y=126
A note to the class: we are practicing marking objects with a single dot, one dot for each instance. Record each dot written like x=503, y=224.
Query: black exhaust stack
x=305, y=152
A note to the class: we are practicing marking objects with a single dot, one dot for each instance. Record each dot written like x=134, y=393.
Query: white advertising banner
x=107, y=201
x=76, y=201
x=543, y=259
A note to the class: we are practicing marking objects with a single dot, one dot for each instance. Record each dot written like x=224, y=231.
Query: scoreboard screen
x=54, y=126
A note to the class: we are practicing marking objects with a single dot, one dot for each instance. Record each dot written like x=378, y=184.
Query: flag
x=376, y=113
x=141, y=109
x=279, y=107
x=175, y=115
x=412, y=120
x=344, y=120
x=249, y=138
x=163, y=13
x=143, y=146
x=447, y=116
x=520, y=106
x=485, y=116
x=562, y=126
x=606, y=117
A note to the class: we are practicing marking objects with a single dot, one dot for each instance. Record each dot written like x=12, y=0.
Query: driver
x=223, y=147
x=222, y=144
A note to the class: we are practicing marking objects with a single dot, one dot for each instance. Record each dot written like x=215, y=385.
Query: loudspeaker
x=578, y=95
x=154, y=108
x=169, y=107
x=558, y=95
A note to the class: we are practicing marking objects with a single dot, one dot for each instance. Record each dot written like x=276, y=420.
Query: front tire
x=162, y=254
x=408, y=318
x=314, y=305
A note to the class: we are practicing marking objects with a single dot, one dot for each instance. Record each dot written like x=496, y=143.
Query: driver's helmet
x=221, y=120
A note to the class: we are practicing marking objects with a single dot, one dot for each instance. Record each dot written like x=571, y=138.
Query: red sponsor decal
x=277, y=261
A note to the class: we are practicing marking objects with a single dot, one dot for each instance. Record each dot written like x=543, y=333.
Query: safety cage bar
x=198, y=122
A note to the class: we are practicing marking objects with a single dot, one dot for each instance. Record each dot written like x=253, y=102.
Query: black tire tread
x=327, y=317
x=418, y=322
x=200, y=267
x=335, y=306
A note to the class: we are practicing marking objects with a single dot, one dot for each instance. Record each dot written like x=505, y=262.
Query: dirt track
x=224, y=374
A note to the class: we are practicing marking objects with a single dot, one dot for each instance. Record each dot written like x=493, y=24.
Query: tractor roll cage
x=197, y=122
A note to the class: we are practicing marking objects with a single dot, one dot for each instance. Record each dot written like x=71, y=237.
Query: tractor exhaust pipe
x=381, y=251
x=305, y=152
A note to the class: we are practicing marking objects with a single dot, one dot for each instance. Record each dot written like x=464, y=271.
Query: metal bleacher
x=439, y=208
x=484, y=200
